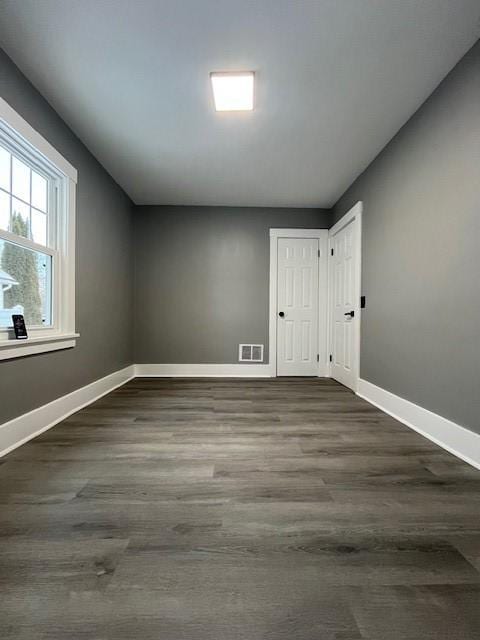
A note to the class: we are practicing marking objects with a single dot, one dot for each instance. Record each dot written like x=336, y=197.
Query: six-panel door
x=297, y=294
x=344, y=304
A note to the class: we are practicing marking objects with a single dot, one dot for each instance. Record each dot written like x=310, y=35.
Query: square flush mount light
x=233, y=91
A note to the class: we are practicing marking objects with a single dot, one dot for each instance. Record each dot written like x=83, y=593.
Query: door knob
x=351, y=314
x=281, y=314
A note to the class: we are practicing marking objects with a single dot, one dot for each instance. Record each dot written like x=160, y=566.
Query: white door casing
x=344, y=289
x=319, y=368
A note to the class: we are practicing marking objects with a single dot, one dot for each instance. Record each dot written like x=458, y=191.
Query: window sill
x=19, y=348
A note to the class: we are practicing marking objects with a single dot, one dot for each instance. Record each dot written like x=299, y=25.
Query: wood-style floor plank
x=237, y=509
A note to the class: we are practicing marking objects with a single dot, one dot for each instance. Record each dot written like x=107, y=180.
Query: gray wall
x=202, y=279
x=421, y=239
x=104, y=269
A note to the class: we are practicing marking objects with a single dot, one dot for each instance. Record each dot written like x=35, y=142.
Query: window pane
x=4, y=169
x=20, y=180
x=25, y=285
x=39, y=227
x=4, y=210
x=39, y=192
x=20, y=221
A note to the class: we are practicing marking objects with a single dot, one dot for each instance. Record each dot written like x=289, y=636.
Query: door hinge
x=318, y=357
x=331, y=358
x=318, y=253
x=331, y=252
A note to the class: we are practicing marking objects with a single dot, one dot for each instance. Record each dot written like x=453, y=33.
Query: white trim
x=204, y=370
x=24, y=141
x=452, y=437
x=28, y=244
x=272, y=309
x=67, y=286
x=354, y=214
x=297, y=233
x=21, y=126
x=29, y=425
x=323, y=306
x=458, y=440
x=41, y=344
x=322, y=236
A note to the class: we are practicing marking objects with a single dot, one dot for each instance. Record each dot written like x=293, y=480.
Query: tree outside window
x=23, y=265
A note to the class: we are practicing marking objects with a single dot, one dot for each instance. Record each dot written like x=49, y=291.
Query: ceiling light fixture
x=233, y=90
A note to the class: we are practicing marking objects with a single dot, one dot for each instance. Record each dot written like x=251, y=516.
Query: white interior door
x=297, y=306
x=345, y=303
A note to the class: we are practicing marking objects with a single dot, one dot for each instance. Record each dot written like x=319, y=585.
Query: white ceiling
x=335, y=80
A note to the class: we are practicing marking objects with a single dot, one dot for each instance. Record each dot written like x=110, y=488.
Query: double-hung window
x=37, y=239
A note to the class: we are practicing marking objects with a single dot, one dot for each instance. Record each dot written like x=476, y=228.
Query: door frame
x=322, y=236
x=355, y=215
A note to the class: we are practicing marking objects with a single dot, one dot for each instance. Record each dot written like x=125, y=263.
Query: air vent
x=250, y=352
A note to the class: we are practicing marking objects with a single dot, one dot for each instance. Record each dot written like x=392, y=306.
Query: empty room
x=237, y=399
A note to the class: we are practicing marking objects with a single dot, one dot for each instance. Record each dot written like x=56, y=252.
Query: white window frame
x=61, y=334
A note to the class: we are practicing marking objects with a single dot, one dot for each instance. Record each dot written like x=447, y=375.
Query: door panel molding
x=353, y=216
x=322, y=236
x=297, y=298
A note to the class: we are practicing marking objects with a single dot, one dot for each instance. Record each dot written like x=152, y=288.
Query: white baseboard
x=458, y=440
x=29, y=425
x=204, y=370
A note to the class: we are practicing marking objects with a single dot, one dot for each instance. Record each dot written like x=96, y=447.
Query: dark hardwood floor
x=237, y=510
